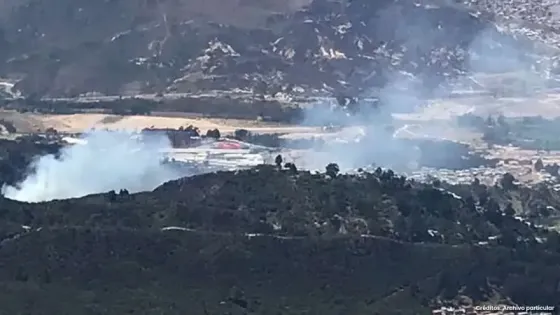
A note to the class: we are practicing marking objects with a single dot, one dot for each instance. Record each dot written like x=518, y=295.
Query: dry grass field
x=80, y=122
x=434, y=119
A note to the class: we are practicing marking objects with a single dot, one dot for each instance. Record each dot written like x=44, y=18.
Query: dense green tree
x=332, y=170
x=241, y=134
x=278, y=161
x=509, y=211
x=291, y=167
x=539, y=165
x=213, y=133
x=507, y=181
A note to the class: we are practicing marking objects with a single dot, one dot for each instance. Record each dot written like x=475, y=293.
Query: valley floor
x=28, y=123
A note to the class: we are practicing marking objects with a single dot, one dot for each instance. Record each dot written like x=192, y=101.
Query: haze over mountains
x=113, y=229
x=324, y=47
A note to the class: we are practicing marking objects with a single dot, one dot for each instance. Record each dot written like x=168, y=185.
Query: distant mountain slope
x=118, y=47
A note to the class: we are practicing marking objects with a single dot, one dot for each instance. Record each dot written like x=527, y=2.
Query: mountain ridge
x=325, y=48
x=230, y=255
x=229, y=239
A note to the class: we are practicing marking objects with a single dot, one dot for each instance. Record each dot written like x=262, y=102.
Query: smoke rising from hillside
x=373, y=141
x=109, y=161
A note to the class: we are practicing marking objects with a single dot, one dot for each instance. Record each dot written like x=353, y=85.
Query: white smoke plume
x=108, y=161
x=490, y=52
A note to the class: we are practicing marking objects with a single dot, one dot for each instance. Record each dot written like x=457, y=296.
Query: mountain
x=294, y=47
x=269, y=241
x=266, y=241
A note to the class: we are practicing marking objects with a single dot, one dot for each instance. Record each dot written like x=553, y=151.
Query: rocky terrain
x=307, y=48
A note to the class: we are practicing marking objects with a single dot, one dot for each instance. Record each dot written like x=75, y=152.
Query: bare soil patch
x=81, y=122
